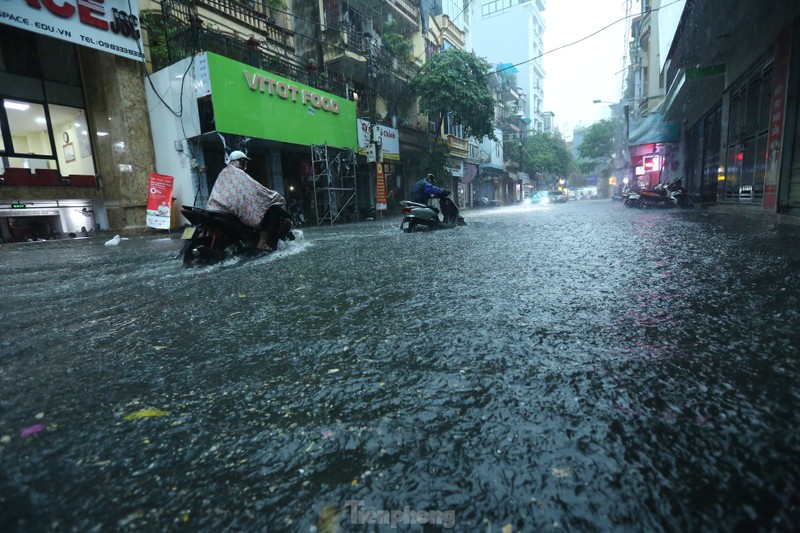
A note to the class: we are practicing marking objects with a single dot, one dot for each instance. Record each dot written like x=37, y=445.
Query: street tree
x=454, y=82
x=597, y=151
x=598, y=141
x=544, y=153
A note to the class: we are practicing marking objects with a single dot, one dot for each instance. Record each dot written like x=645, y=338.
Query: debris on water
x=31, y=431
x=145, y=413
x=562, y=473
x=328, y=521
x=114, y=241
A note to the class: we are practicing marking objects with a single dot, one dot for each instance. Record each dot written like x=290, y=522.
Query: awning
x=653, y=129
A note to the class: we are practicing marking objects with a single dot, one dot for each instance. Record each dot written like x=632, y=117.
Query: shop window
x=35, y=129
x=747, y=136
x=28, y=126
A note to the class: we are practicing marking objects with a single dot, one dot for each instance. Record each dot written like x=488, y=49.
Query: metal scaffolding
x=334, y=180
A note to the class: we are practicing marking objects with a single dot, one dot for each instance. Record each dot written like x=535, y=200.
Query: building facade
x=76, y=150
x=733, y=79
x=512, y=32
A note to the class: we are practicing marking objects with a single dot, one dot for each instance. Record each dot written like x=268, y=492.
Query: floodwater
x=577, y=367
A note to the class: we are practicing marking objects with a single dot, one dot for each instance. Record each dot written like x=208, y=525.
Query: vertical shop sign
x=159, y=201
x=380, y=201
x=777, y=109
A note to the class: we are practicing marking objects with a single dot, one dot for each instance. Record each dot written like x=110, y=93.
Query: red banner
x=780, y=78
x=380, y=201
x=159, y=201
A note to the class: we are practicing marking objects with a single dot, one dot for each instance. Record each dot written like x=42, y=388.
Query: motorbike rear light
x=406, y=210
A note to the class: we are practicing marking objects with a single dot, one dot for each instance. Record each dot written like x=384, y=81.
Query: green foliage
x=455, y=82
x=161, y=34
x=394, y=44
x=547, y=154
x=598, y=141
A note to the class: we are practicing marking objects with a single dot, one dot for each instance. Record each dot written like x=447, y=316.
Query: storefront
x=301, y=140
x=72, y=111
x=652, y=143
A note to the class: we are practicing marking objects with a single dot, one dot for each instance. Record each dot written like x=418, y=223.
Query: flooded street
x=576, y=367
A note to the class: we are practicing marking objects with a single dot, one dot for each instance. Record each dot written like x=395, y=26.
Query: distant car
x=557, y=197
x=540, y=197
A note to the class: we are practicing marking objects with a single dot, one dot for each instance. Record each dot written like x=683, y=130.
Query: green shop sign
x=255, y=103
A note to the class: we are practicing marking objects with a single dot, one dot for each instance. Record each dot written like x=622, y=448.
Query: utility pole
x=374, y=150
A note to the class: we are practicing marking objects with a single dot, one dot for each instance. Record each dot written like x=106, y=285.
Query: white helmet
x=236, y=155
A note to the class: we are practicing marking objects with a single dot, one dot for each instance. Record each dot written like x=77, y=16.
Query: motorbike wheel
x=409, y=226
x=187, y=253
x=198, y=250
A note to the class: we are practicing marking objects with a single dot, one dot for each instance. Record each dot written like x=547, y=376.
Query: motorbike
x=215, y=236
x=418, y=216
x=679, y=194
x=295, y=209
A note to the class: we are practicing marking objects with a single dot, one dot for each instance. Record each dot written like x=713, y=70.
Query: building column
x=120, y=128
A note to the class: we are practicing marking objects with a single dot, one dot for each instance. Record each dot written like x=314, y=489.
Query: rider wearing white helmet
x=255, y=205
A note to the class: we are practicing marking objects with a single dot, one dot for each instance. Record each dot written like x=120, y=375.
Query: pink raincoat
x=236, y=192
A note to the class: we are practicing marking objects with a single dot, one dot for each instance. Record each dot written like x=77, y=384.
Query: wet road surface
x=577, y=367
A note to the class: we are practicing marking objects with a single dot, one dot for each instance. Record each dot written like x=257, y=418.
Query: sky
x=588, y=70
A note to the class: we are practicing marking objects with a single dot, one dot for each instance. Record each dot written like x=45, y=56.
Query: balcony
x=348, y=52
x=406, y=10
x=252, y=53
x=458, y=147
x=248, y=15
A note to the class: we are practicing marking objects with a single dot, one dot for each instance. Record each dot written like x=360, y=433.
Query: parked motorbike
x=295, y=209
x=679, y=194
x=426, y=217
x=216, y=236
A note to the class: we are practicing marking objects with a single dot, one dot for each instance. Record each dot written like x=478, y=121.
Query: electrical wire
x=582, y=38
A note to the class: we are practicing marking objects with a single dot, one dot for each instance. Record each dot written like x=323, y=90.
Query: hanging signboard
x=389, y=139
x=109, y=26
x=380, y=200
x=159, y=201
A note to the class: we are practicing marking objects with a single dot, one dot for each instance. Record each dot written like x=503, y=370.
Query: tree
x=598, y=141
x=597, y=151
x=547, y=154
x=454, y=82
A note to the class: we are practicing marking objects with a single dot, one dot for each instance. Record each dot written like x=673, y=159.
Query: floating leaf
x=145, y=413
x=242, y=296
x=31, y=431
x=156, y=348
